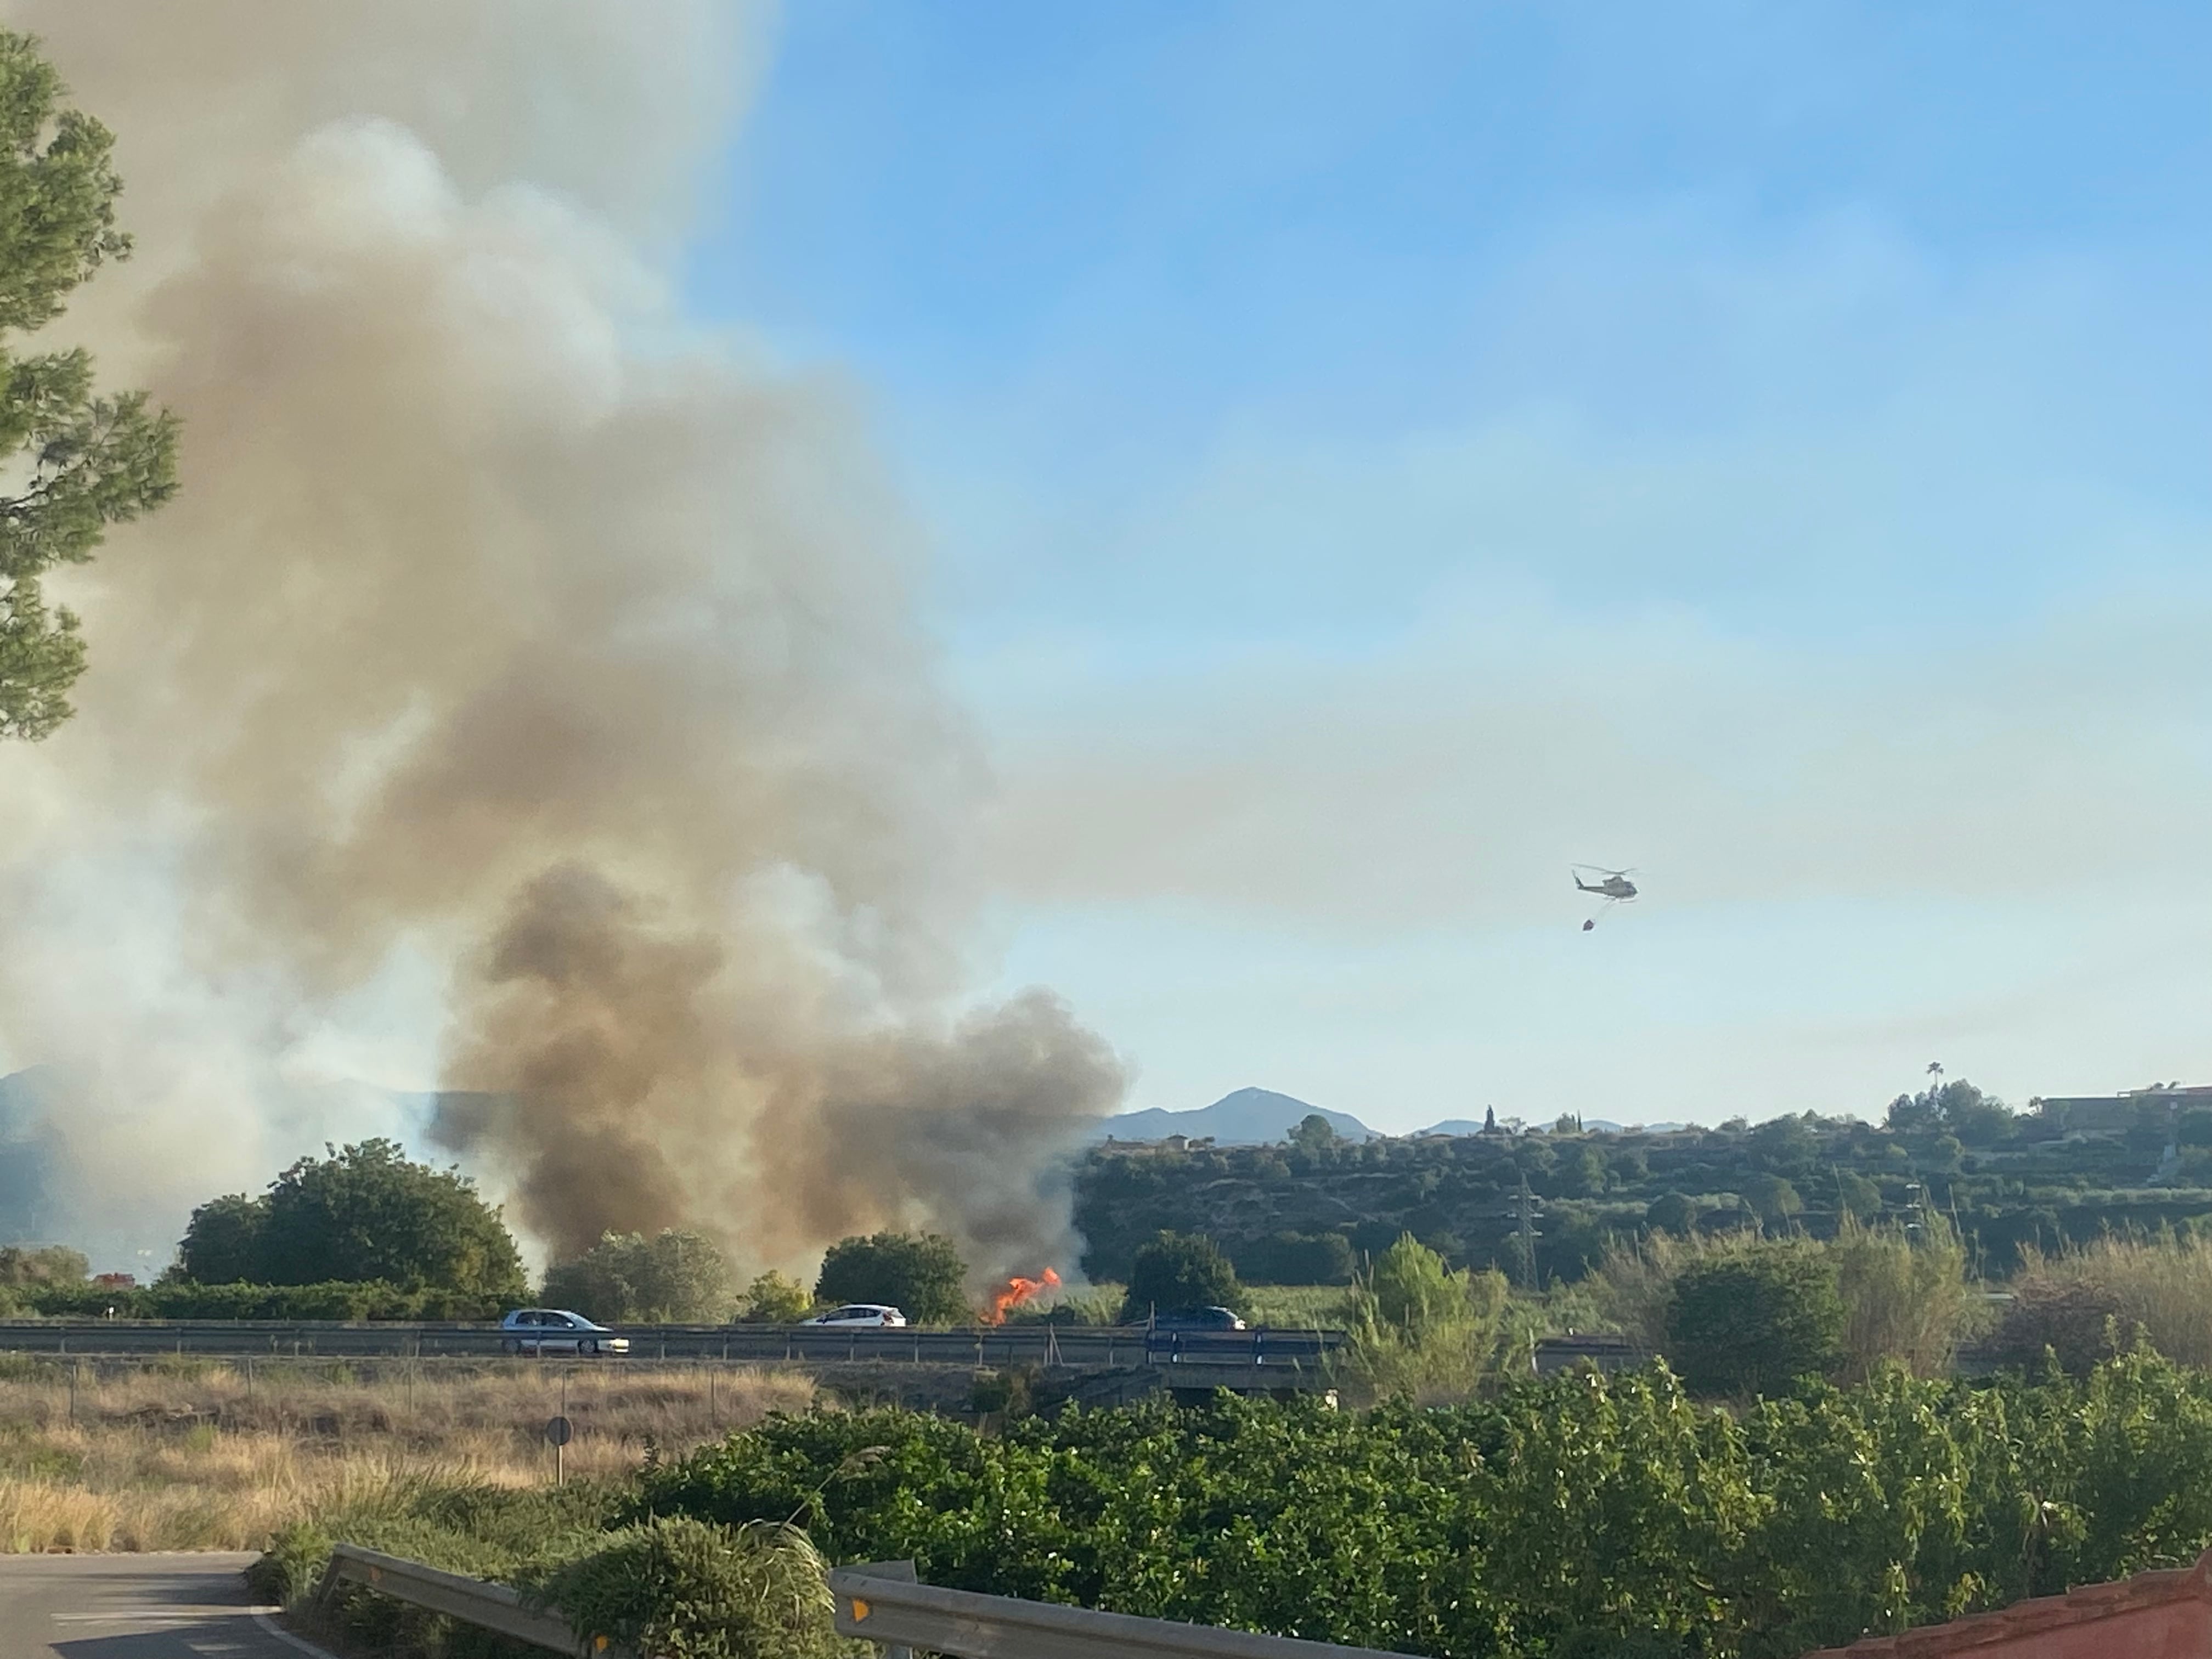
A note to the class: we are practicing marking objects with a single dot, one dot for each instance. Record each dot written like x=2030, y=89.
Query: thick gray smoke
x=520, y=685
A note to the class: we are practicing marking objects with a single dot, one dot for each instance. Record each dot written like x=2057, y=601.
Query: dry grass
x=1908, y=1301
x=217, y=1456
x=2161, y=1285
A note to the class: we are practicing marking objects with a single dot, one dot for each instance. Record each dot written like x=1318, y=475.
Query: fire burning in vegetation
x=1017, y=1291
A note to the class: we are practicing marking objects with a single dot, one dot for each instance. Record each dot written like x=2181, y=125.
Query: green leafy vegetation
x=2010, y=1184
x=1737, y=1312
x=364, y=1214
x=690, y=1589
x=672, y=1278
x=76, y=461
x=773, y=1300
x=1421, y=1330
x=672, y=1586
x=343, y=1299
x=1579, y=1512
x=1175, y=1270
x=921, y=1274
x=1750, y=1322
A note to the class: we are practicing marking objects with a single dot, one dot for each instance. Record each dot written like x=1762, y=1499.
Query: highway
x=1074, y=1347
x=131, y=1606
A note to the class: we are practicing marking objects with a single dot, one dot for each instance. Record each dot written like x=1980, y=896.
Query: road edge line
x=286, y=1636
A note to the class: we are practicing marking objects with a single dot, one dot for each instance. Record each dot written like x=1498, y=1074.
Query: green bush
x=773, y=1300
x=681, y=1588
x=1752, y=1321
x=1176, y=1271
x=518, y=1538
x=1672, y=1213
x=921, y=1274
x=342, y=1299
x=365, y=1213
x=672, y=1278
x=1577, y=1514
x=1291, y=1258
x=1422, y=1331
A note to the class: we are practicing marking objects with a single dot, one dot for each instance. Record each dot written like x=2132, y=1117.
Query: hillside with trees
x=1542, y=1206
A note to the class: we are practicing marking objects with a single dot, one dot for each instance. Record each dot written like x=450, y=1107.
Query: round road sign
x=560, y=1430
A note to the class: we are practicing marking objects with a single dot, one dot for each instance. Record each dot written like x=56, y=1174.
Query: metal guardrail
x=1075, y=1347
x=880, y=1603
x=473, y=1601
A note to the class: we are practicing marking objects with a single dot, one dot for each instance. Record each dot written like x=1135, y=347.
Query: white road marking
x=154, y=1615
x=274, y=1629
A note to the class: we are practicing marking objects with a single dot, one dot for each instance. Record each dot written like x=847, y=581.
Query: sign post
x=559, y=1431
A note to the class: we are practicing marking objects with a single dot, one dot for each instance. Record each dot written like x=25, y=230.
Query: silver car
x=555, y=1330
x=855, y=1314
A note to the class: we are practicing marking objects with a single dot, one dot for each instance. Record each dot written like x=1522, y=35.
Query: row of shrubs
x=1563, y=1518
x=339, y=1299
x=1576, y=1515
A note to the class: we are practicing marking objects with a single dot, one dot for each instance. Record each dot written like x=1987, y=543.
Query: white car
x=555, y=1330
x=859, y=1313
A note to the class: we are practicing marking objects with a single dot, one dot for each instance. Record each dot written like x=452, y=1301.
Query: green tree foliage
x=1749, y=1321
x=773, y=1300
x=1672, y=1213
x=672, y=1278
x=1907, y=1298
x=76, y=461
x=1288, y=1258
x=921, y=1274
x=1784, y=1145
x=1314, y=1135
x=49, y=1265
x=1574, y=1515
x=1582, y=1173
x=225, y=1242
x=1413, y=1289
x=349, y=1298
x=1422, y=1331
x=1957, y=1108
x=1772, y=1199
x=1857, y=1196
x=1177, y=1271
x=1456, y=1193
x=364, y=1213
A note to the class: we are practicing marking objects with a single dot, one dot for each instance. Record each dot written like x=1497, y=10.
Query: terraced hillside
x=1301, y=1213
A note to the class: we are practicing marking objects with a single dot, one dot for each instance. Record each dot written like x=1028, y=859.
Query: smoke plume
x=522, y=683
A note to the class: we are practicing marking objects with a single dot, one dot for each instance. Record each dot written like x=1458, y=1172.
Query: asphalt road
x=131, y=1606
x=1079, y=1347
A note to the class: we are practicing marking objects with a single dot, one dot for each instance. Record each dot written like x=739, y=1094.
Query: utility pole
x=1526, y=1208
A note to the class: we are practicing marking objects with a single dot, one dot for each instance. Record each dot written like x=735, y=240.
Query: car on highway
x=1197, y=1319
x=857, y=1313
x=557, y=1330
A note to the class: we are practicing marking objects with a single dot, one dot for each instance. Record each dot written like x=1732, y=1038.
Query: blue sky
x=1372, y=458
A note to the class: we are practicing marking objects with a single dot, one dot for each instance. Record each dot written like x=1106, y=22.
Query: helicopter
x=1613, y=886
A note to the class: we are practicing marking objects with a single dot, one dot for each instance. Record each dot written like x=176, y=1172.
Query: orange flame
x=1019, y=1291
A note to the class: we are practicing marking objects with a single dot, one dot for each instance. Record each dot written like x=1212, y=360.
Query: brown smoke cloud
x=512, y=644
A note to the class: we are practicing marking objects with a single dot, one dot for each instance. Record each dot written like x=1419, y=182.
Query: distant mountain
x=1249, y=1117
